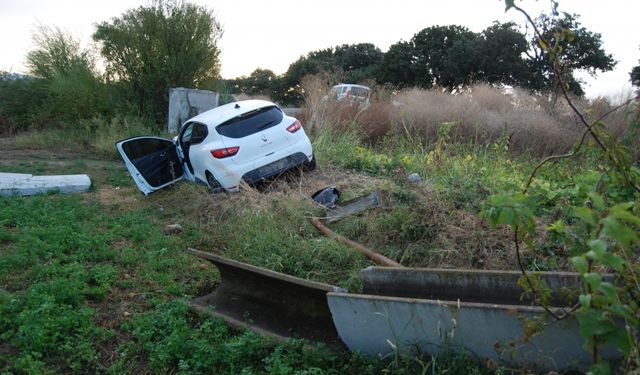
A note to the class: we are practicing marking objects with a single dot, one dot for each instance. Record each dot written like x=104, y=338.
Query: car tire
x=214, y=185
x=310, y=165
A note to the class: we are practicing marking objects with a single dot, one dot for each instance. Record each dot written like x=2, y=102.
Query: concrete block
x=26, y=184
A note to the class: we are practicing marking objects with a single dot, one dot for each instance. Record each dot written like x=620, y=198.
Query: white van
x=350, y=92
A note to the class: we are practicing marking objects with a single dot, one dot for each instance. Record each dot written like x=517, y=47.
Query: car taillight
x=224, y=152
x=294, y=127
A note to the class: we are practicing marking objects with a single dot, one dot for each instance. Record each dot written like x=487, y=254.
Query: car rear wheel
x=214, y=185
x=310, y=165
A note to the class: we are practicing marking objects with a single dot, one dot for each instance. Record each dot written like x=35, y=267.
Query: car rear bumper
x=275, y=168
x=230, y=175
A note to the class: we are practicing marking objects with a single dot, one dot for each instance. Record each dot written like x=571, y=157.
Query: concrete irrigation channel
x=268, y=302
x=406, y=311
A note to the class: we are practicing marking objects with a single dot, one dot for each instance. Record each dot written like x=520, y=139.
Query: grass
x=437, y=223
x=91, y=284
x=95, y=136
x=96, y=290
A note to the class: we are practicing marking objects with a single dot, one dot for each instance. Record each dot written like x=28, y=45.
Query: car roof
x=351, y=85
x=218, y=115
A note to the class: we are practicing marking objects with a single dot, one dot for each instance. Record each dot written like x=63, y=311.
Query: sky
x=273, y=34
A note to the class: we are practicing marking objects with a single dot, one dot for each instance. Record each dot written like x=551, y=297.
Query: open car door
x=153, y=162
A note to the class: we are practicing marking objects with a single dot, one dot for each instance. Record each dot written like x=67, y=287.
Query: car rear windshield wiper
x=249, y=114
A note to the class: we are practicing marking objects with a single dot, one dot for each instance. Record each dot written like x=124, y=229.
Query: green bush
x=21, y=101
x=62, y=88
x=77, y=95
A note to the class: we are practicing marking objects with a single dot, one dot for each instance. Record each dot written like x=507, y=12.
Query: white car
x=350, y=93
x=249, y=140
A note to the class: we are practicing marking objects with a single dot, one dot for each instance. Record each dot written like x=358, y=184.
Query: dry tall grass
x=618, y=120
x=481, y=114
x=319, y=111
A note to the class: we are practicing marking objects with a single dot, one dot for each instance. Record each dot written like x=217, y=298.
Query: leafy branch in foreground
x=600, y=231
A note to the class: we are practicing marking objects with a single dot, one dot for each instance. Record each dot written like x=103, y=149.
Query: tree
x=353, y=62
x=56, y=52
x=581, y=50
x=259, y=82
x=444, y=56
x=314, y=62
x=452, y=56
x=153, y=48
x=397, y=66
x=358, y=61
x=500, y=51
x=635, y=76
x=63, y=82
x=357, y=56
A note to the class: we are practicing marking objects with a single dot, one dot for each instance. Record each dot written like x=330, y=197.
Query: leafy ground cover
x=90, y=284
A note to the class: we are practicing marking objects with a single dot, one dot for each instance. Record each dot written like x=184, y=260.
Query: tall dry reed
x=481, y=114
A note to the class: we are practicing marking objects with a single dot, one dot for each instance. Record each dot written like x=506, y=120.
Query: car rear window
x=359, y=91
x=251, y=122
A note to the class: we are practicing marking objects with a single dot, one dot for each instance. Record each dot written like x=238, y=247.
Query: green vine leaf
x=608, y=290
x=618, y=231
x=596, y=201
x=581, y=265
x=619, y=339
x=600, y=368
x=585, y=300
x=585, y=214
x=509, y=4
x=515, y=210
x=612, y=260
x=594, y=280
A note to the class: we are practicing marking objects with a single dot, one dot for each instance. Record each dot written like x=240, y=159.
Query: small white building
x=186, y=103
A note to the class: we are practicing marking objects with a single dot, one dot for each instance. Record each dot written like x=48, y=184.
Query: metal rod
x=376, y=257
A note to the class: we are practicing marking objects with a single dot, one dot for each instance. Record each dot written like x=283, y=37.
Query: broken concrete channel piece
x=500, y=287
x=27, y=184
x=406, y=311
x=409, y=310
x=268, y=302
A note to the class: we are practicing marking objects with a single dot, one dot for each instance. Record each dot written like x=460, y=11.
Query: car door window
x=155, y=159
x=185, y=138
x=199, y=133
